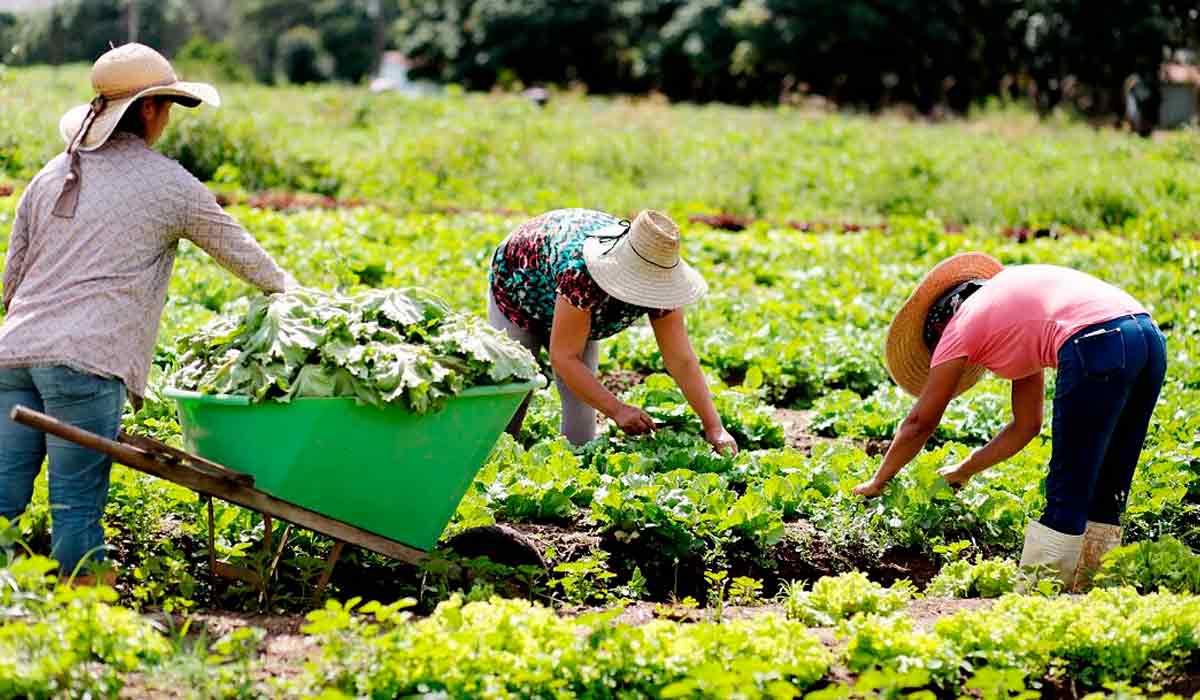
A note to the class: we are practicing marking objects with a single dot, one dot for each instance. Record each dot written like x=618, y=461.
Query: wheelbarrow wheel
x=500, y=543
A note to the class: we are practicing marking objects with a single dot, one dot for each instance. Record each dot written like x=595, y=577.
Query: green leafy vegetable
x=1166, y=564
x=379, y=347
x=834, y=599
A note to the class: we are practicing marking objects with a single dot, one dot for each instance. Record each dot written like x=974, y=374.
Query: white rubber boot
x=1098, y=539
x=1047, y=547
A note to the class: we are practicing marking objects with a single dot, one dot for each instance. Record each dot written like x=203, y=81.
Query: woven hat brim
x=189, y=94
x=905, y=354
x=632, y=280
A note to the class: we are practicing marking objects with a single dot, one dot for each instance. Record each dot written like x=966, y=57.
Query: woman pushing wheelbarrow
x=572, y=277
x=971, y=313
x=85, y=282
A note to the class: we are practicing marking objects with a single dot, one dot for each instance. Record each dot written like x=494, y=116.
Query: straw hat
x=120, y=77
x=639, y=263
x=906, y=356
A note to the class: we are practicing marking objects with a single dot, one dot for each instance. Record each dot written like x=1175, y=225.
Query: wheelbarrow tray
x=385, y=470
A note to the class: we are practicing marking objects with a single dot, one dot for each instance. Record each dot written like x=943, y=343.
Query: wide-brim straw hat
x=120, y=77
x=906, y=356
x=639, y=263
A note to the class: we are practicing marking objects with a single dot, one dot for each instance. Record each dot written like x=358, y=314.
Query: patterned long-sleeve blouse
x=542, y=259
x=88, y=292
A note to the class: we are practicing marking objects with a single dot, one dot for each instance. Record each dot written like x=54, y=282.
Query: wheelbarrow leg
x=264, y=594
x=223, y=569
x=212, y=544
x=268, y=529
x=322, y=582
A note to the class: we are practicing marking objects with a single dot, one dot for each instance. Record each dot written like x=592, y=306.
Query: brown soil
x=214, y=624
x=281, y=200
x=282, y=655
x=806, y=554
x=799, y=435
x=621, y=380
x=796, y=432
x=1187, y=685
x=567, y=544
x=926, y=611
x=898, y=564
x=723, y=221
x=503, y=544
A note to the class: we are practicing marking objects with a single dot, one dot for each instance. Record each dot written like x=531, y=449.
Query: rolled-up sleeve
x=18, y=246
x=217, y=233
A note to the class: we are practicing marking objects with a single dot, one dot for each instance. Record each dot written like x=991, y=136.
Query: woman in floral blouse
x=571, y=277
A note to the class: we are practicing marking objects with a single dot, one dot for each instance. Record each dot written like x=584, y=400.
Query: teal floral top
x=542, y=259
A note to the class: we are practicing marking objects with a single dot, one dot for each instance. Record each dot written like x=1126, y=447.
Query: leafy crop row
x=834, y=599
x=515, y=649
x=1106, y=636
x=59, y=641
x=1165, y=564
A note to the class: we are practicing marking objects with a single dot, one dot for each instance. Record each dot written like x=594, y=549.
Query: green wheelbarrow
x=381, y=478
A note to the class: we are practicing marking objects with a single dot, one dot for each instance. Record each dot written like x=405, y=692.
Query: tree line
x=932, y=54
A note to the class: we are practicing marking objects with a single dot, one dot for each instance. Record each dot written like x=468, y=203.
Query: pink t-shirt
x=1015, y=324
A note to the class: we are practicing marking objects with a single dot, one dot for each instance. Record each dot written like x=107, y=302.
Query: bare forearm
x=1007, y=443
x=579, y=379
x=909, y=440
x=691, y=382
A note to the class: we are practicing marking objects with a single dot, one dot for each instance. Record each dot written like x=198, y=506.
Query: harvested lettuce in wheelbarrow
x=379, y=347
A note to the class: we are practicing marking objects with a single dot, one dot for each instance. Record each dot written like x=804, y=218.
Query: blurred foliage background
x=935, y=55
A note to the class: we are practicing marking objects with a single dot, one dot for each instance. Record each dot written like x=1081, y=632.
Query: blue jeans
x=1109, y=378
x=78, y=476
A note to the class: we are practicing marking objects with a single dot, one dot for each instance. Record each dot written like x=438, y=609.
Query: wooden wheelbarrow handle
x=133, y=451
x=167, y=453
x=226, y=485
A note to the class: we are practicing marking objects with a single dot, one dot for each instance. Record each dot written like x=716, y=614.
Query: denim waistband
x=1102, y=325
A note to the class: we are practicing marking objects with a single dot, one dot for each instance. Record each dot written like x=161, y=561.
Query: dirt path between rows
x=798, y=434
x=924, y=612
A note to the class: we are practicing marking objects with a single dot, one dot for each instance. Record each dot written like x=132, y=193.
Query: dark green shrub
x=300, y=58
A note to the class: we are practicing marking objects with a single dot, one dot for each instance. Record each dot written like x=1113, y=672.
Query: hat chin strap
x=617, y=239
x=68, y=198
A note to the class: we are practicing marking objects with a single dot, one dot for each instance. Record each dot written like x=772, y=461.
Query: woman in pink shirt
x=971, y=313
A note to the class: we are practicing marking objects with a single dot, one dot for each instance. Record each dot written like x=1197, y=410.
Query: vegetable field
x=671, y=571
